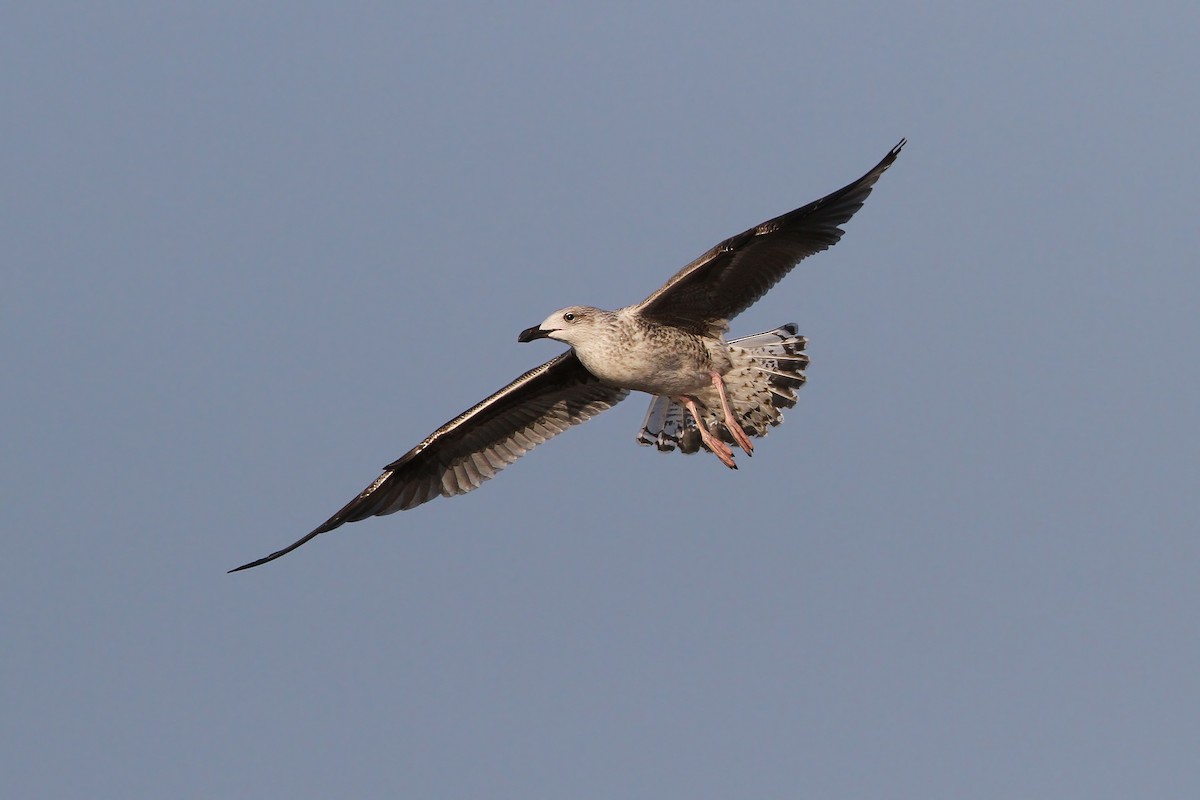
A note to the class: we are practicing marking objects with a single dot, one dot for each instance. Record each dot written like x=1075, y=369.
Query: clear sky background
x=253, y=252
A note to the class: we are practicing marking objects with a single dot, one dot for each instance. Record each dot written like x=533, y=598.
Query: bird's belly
x=652, y=371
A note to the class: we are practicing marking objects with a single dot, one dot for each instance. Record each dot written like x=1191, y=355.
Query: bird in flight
x=709, y=393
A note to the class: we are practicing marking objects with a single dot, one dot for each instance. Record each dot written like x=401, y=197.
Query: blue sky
x=253, y=253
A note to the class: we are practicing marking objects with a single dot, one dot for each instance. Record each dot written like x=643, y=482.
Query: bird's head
x=575, y=325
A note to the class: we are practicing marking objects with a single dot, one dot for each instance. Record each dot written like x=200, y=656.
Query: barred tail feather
x=768, y=369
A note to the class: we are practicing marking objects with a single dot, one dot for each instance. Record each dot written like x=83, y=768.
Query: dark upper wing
x=475, y=445
x=727, y=279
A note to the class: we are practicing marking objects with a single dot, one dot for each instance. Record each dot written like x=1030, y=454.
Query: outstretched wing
x=730, y=277
x=475, y=445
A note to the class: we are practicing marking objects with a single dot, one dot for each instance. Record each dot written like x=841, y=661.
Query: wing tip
x=278, y=553
x=336, y=521
x=892, y=155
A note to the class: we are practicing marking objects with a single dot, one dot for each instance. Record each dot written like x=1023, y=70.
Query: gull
x=709, y=393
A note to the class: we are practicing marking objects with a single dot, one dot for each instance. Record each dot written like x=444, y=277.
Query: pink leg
x=731, y=422
x=719, y=448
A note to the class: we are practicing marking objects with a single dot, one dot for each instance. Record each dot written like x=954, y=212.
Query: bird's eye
x=569, y=316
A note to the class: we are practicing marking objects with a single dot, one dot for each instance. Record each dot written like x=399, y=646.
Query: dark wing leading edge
x=729, y=278
x=475, y=445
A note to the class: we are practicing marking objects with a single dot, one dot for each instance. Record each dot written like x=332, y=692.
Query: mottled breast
x=656, y=359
